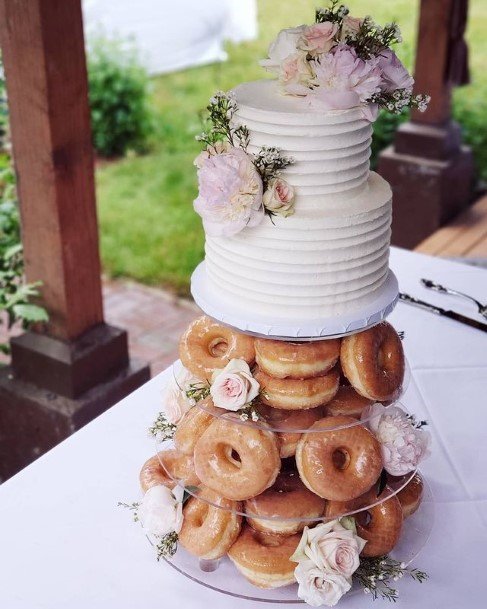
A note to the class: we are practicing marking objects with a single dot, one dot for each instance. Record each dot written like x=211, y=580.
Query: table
x=64, y=543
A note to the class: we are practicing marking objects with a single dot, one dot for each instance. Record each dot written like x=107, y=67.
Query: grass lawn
x=149, y=231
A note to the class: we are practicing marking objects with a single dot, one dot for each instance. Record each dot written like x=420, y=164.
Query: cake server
x=431, y=285
x=463, y=319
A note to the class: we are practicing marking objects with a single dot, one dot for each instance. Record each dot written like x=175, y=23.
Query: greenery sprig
x=167, y=545
x=161, y=429
x=198, y=391
x=251, y=412
x=269, y=162
x=133, y=507
x=415, y=423
x=376, y=575
x=334, y=13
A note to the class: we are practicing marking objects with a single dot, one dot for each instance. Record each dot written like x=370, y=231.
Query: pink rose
x=394, y=74
x=174, y=400
x=279, y=197
x=234, y=386
x=230, y=192
x=295, y=74
x=403, y=445
x=318, y=38
x=343, y=80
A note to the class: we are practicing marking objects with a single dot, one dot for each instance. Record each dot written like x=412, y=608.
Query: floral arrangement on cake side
x=341, y=62
x=228, y=455
x=237, y=188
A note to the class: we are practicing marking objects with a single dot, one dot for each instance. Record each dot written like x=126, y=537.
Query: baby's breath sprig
x=167, y=545
x=221, y=110
x=372, y=39
x=161, y=429
x=375, y=575
x=334, y=13
x=269, y=162
x=134, y=507
x=198, y=391
x=396, y=101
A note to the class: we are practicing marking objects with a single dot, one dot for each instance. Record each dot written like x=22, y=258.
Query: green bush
x=3, y=109
x=118, y=86
x=470, y=110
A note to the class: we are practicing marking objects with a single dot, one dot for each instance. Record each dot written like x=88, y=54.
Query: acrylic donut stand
x=221, y=575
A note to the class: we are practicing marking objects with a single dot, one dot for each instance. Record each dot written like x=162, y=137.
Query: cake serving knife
x=463, y=319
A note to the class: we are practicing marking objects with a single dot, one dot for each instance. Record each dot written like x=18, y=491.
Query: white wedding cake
x=331, y=256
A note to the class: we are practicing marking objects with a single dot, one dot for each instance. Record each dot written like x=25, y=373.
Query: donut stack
x=308, y=457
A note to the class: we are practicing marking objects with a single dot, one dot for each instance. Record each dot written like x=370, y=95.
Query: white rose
x=317, y=587
x=279, y=197
x=403, y=445
x=174, y=399
x=284, y=45
x=331, y=547
x=161, y=510
x=234, y=386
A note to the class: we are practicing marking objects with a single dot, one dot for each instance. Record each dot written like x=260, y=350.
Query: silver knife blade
x=463, y=319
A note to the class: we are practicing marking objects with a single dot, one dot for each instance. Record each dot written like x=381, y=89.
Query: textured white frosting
x=331, y=256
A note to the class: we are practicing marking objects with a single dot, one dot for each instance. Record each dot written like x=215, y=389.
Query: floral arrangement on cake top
x=341, y=62
x=236, y=188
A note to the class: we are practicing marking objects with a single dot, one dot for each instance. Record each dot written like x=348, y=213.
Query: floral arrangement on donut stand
x=292, y=488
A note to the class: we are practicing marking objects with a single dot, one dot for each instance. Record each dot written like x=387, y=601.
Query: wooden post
x=430, y=171
x=78, y=366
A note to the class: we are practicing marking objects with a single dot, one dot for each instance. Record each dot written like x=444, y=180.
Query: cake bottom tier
x=221, y=575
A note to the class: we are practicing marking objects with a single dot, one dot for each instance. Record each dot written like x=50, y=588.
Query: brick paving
x=153, y=318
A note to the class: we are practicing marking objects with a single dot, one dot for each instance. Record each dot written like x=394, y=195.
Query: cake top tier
x=264, y=98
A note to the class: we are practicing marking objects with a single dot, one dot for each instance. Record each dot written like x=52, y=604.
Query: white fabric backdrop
x=173, y=34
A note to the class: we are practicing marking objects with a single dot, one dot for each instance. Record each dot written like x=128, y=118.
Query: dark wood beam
x=44, y=57
x=76, y=367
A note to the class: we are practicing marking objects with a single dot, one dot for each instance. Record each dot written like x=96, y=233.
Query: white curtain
x=173, y=34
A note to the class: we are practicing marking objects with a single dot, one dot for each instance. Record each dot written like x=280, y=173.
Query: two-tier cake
x=286, y=468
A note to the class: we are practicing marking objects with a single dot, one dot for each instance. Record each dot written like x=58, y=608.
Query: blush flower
x=327, y=557
x=230, y=192
x=174, y=400
x=234, y=386
x=279, y=197
x=317, y=587
x=161, y=510
x=350, y=27
x=403, y=445
x=394, y=74
x=343, y=80
x=318, y=38
x=295, y=74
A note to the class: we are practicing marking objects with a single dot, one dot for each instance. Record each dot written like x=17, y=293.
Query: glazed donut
x=282, y=359
x=373, y=362
x=288, y=499
x=237, y=461
x=210, y=526
x=264, y=559
x=348, y=402
x=380, y=525
x=166, y=468
x=207, y=346
x=295, y=394
x=284, y=420
x=338, y=464
x=193, y=424
x=411, y=495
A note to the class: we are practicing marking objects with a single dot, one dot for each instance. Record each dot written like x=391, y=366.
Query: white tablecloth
x=65, y=544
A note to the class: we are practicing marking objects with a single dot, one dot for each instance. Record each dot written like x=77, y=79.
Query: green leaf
x=30, y=313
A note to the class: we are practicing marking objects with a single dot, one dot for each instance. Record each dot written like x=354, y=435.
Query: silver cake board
x=213, y=304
